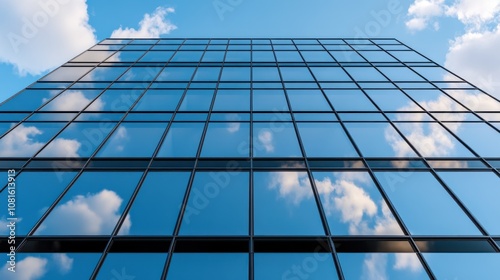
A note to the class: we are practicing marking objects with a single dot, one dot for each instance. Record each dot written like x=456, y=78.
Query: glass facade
x=251, y=159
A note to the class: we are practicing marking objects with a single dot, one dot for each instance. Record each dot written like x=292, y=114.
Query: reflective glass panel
x=434, y=100
x=291, y=74
x=284, y=204
x=400, y=74
x=308, y=100
x=288, y=56
x=232, y=100
x=365, y=74
x=159, y=100
x=78, y=140
x=221, y=266
x=238, y=56
x=486, y=146
x=197, y=100
x=156, y=207
x=475, y=100
x=104, y=74
x=27, y=139
x=175, y=74
x=217, y=205
x=325, y=140
x=92, y=206
x=263, y=56
x=207, y=74
x=353, y=205
x=187, y=56
x=382, y=266
x=432, y=140
x=330, y=74
x=125, y=56
x=265, y=74
x=235, y=74
x=392, y=100
x=379, y=140
x=269, y=100
x=349, y=100
x=157, y=56
x=93, y=56
x=141, y=74
x=132, y=265
x=464, y=265
x=66, y=74
x=420, y=192
x=38, y=192
x=133, y=140
x=317, y=56
x=479, y=191
x=182, y=140
x=275, y=139
x=312, y=266
x=52, y=266
x=233, y=136
x=72, y=100
x=115, y=100
x=214, y=56
x=28, y=100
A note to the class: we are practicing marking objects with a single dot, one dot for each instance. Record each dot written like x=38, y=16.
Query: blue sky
x=38, y=35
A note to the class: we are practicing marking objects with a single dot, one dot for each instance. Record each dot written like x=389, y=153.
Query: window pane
x=434, y=100
x=463, y=265
x=197, y=100
x=317, y=56
x=312, y=266
x=392, y=100
x=266, y=74
x=400, y=74
x=238, y=56
x=296, y=74
x=486, y=146
x=176, y=74
x=217, y=205
x=157, y=56
x=349, y=100
x=276, y=139
x=132, y=265
x=115, y=100
x=232, y=100
x=235, y=74
x=66, y=74
x=221, y=266
x=182, y=140
x=27, y=139
x=420, y=192
x=269, y=100
x=432, y=140
x=284, y=204
x=93, y=56
x=325, y=140
x=479, y=191
x=125, y=56
x=92, y=206
x=379, y=140
x=368, y=74
x=104, y=74
x=288, y=56
x=78, y=140
x=28, y=100
x=330, y=74
x=233, y=136
x=382, y=265
x=53, y=266
x=308, y=100
x=133, y=140
x=71, y=100
x=263, y=56
x=156, y=207
x=187, y=56
x=214, y=56
x=475, y=100
x=207, y=74
x=38, y=192
x=353, y=205
x=159, y=100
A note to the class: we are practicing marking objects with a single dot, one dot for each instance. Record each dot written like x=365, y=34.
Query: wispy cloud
x=151, y=26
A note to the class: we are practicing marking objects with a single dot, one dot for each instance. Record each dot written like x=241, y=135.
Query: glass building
x=250, y=159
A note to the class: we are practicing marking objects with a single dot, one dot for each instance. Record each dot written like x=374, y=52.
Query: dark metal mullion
x=251, y=263
x=141, y=180
x=193, y=173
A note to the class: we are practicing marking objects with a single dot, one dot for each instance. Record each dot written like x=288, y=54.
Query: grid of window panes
x=253, y=159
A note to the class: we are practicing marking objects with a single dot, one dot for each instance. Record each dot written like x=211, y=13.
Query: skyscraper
x=250, y=159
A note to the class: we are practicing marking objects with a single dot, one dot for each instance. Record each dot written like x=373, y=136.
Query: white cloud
x=407, y=261
x=30, y=268
x=20, y=142
x=151, y=26
x=61, y=147
x=63, y=262
x=119, y=140
x=92, y=214
x=42, y=34
x=265, y=140
x=474, y=13
x=72, y=101
x=374, y=267
x=423, y=11
x=293, y=186
x=233, y=127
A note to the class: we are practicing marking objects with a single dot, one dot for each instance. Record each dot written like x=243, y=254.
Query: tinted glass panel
x=156, y=207
x=217, y=205
x=330, y=74
x=92, y=206
x=486, y=146
x=296, y=74
x=353, y=205
x=392, y=100
x=276, y=139
x=232, y=100
x=269, y=100
x=235, y=74
x=72, y=100
x=464, y=265
x=440, y=216
x=182, y=140
x=197, y=100
x=265, y=74
x=132, y=265
x=233, y=136
x=207, y=74
x=325, y=140
x=349, y=100
x=115, y=100
x=284, y=204
x=313, y=266
x=223, y=266
x=159, y=100
x=308, y=100
x=28, y=100
x=133, y=140
x=174, y=74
